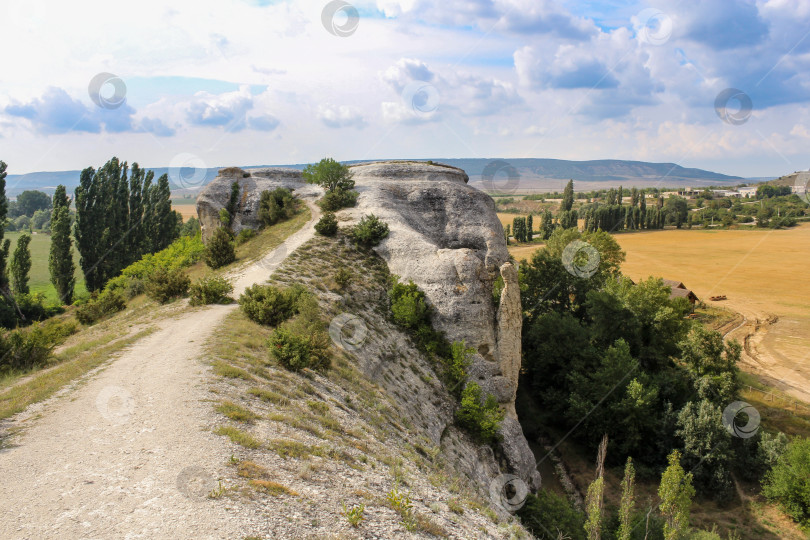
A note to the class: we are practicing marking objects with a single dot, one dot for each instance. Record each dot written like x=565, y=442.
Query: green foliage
x=593, y=509
x=25, y=349
x=354, y=515
x=481, y=416
x=329, y=174
x=303, y=341
x=100, y=305
x=269, y=305
x=706, y=447
x=232, y=207
x=276, y=205
x=118, y=220
x=408, y=306
x=549, y=516
x=4, y=243
x=182, y=253
x=456, y=366
x=243, y=236
x=628, y=501
x=164, y=285
x=219, y=250
x=568, y=197
x=335, y=200
x=327, y=225
x=788, y=482
x=676, y=493
x=191, y=227
x=210, y=290
x=21, y=265
x=60, y=259
x=225, y=218
x=369, y=232
x=29, y=202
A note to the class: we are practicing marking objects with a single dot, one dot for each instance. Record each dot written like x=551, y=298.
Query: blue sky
x=259, y=81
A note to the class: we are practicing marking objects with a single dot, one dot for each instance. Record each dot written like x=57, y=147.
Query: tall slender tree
x=21, y=265
x=60, y=260
x=529, y=227
x=6, y=243
x=627, y=502
x=568, y=197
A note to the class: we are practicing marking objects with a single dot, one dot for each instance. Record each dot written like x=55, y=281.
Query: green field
x=40, y=277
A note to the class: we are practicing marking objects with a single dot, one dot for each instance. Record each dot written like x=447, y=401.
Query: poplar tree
x=627, y=502
x=21, y=265
x=60, y=259
x=529, y=227
x=675, y=492
x=6, y=243
x=568, y=197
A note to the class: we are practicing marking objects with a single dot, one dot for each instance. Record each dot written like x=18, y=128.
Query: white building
x=747, y=191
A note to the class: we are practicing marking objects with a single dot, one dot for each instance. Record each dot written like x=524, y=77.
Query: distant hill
x=532, y=175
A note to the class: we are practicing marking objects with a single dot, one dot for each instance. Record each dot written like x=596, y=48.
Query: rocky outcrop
x=215, y=196
x=446, y=237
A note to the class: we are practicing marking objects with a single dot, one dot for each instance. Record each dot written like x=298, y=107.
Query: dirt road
x=129, y=452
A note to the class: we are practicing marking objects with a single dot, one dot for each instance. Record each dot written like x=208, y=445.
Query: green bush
x=548, y=515
x=327, y=225
x=302, y=342
x=211, y=290
x=181, y=253
x=25, y=349
x=457, y=364
x=369, y=232
x=101, y=305
x=269, y=305
x=219, y=250
x=164, y=285
x=409, y=310
x=244, y=235
x=276, y=205
x=481, y=417
x=31, y=308
x=337, y=199
x=788, y=482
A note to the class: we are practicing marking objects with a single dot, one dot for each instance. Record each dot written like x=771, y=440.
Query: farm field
x=186, y=210
x=762, y=272
x=40, y=277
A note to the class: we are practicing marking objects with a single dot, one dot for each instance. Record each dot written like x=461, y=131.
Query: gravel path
x=129, y=453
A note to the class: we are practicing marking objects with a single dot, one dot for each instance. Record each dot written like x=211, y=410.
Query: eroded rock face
x=446, y=237
x=215, y=196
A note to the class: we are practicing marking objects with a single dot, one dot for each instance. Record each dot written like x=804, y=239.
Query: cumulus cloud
x=226, y=109
x=341, y=117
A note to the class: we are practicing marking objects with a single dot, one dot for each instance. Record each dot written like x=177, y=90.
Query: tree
x=788, y=482
x=675, y=492
x=30, y=201
x=676, y=209
x=330, y=175
x=5, y=243
x=21, y=265
x=529, y=227
x=60, y=199
x=327, y=225
x=165, y=219
x=627, y=502
x=547, y=224
x=60, y=260
x=707, y=447
x=568, y=197
x=219, y=250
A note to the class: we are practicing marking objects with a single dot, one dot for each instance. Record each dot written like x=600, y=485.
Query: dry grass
x=238, y=436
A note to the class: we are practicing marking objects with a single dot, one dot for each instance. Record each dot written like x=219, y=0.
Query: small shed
x=679, y=290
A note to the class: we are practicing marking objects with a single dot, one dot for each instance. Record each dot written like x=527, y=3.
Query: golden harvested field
x=765, y=269
x=187, y=210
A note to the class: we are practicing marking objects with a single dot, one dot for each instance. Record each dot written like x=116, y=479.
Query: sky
x=722, y=85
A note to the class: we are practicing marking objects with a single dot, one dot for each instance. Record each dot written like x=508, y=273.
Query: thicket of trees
x=120, y=216
x=610, y=357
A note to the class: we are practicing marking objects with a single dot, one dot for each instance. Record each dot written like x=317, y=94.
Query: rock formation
x=446, y=237
x=215, y=196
